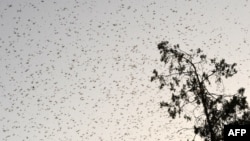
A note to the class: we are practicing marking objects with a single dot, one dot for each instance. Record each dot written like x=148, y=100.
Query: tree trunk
x=203, y=97
x=210, y=126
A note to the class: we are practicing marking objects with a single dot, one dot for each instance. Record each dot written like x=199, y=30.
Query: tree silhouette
x=190, y=78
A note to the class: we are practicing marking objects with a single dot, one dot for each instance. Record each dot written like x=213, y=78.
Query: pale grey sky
x=80, y=70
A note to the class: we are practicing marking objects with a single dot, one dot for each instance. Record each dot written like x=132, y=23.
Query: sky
x=80, y=70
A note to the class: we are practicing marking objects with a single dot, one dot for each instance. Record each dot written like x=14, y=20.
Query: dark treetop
x=188, y=78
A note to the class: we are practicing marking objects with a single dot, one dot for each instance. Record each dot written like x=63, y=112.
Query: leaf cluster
x=187, y=78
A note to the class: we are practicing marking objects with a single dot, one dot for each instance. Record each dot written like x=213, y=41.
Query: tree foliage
x=188, y=78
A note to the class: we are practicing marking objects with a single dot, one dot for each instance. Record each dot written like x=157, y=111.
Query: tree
x=189, y=78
